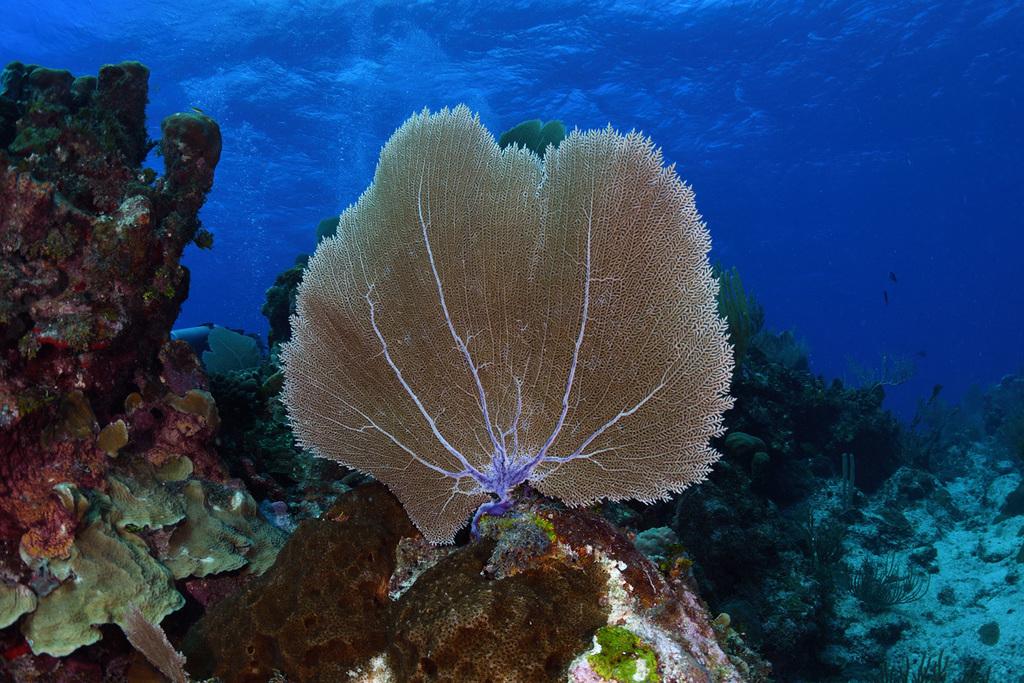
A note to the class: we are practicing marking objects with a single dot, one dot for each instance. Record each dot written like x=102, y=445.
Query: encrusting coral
x=110, y=570
x=150, y=527
x=15, y=600
x=222, y=531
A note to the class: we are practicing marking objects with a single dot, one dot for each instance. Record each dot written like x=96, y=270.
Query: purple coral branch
x=412, y=394
x=578, y=453
x=514, y=427
x=481, y=395
x=504, y=478
x=576, y=350
x=491, y=507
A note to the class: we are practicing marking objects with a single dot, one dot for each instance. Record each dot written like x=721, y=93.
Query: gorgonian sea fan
x=481, y=320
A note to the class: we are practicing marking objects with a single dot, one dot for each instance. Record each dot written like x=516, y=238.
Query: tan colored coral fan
x=481, y=320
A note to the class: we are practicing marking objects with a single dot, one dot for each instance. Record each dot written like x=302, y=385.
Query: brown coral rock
x=320, y=610
x=332, y=608
x=455, y=624
x=90, y=284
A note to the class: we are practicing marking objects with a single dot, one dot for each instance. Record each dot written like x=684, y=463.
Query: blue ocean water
x=830, y=144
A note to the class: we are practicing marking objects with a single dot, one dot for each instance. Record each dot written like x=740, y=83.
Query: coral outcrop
x=360, y=593
x=90, y=280
x=112, y=494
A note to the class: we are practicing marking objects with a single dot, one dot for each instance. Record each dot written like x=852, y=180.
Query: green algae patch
x=547, y=526
x=494, y=527
x=623, y=657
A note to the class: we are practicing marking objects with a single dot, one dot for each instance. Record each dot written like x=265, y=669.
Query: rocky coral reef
x=118, y=509
x=90, y=282
x=835, y=542
x=932, y=564
x=746, y=528
x=359, y=595
x=112, y=493
x=834, y=537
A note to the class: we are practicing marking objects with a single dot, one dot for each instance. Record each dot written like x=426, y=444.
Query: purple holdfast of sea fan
x=482, y=320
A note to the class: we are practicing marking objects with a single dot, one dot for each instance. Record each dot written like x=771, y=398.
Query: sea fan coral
x=482, y=320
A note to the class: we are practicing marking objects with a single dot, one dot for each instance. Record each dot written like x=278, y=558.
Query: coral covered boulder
x=112, y=495
x=90, y=283
x=360, y=594
x=320, y=610
x=457, y=624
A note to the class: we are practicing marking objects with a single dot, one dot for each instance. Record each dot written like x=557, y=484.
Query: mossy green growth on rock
x=494, y=527
x=522, y=538
x=38, y=130
x=34, y=140
x=623, y=657
x=547, y=526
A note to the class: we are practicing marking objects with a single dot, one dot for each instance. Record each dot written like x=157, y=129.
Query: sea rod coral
x=482, y=320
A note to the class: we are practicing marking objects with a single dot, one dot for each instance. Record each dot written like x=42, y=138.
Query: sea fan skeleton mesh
x=481, y=320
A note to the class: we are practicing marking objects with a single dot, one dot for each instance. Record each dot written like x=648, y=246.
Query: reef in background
x=844, y=545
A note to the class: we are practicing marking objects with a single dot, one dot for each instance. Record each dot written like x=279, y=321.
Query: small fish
x=885, y=296
x=892, y=276
x=197, y=109
x=936, y=390
x=921, y=354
